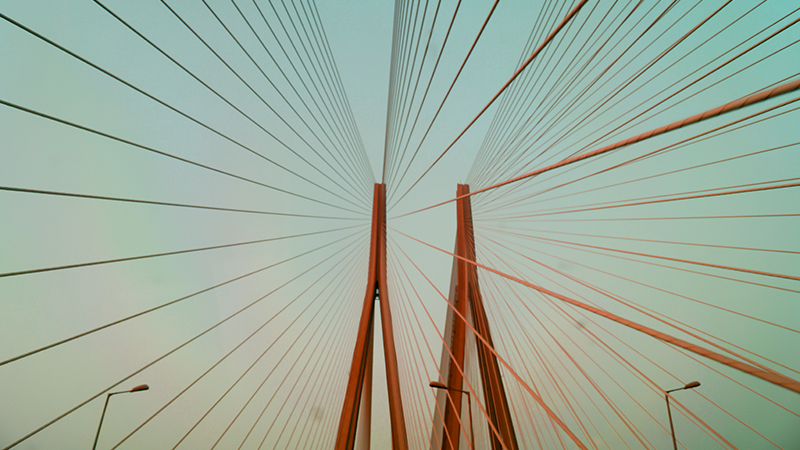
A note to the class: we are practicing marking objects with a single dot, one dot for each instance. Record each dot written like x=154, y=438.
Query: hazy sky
x=277, y=136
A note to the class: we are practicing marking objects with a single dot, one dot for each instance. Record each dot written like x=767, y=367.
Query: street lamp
x=141, y=387
x=690, y=385
x=437, y=385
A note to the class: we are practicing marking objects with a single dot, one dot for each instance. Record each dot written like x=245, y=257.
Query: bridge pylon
x=358, y=396
x=465, y=296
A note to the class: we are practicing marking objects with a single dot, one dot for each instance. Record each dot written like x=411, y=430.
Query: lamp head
x=692, y=385
x=436, y=384
x=141, y=387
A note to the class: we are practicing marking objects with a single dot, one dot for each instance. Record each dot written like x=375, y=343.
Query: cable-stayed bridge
x=426, y=224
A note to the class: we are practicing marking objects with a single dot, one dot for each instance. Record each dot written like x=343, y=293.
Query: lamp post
x=141, y=387
x=437, y=385
x=690, y=385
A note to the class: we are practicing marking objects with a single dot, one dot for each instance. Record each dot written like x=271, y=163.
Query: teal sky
x=310, y=303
